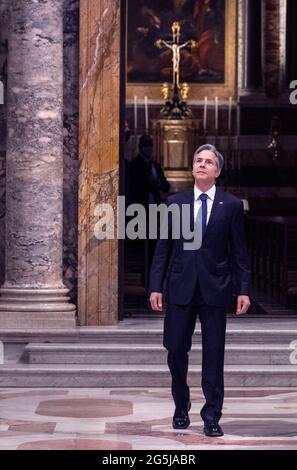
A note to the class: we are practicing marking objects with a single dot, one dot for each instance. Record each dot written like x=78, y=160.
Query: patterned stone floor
x=110, y=419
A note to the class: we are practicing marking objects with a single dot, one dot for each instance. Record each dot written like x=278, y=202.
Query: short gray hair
x=218, y=156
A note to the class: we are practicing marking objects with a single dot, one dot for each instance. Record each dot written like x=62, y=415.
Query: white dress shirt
x=209, y=202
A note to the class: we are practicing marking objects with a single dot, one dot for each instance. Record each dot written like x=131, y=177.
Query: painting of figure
x=200, y=20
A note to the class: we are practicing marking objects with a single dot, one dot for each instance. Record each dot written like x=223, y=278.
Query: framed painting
x=209, y=67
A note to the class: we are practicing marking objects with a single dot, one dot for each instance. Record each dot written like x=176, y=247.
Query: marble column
x=4, y=21
x=33, y=294
x=100, y=34
x=272, y=47
x=241, y=46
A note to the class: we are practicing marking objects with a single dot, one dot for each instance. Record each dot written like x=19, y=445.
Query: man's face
x=205, y=168
x=147, y=151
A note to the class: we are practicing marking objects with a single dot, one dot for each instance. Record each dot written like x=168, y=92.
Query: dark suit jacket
x=142, y=183
x=222, y=256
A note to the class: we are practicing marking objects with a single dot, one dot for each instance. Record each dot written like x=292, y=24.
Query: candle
x=216, y=114
x=205, y=115
x=135, y=113
x=230, y=115
x=146, y=113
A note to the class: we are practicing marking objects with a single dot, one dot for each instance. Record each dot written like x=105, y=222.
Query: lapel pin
x=221, y=202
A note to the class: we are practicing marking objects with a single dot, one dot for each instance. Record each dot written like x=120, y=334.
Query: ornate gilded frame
x=198, y=91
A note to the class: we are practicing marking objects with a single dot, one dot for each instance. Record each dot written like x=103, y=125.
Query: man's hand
x=156, y=300
x=243, y=303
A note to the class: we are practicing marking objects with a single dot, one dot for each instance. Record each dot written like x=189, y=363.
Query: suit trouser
x=179, y=326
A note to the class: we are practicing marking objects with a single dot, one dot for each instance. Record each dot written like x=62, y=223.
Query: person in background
x=146, y=176
x=146, y=182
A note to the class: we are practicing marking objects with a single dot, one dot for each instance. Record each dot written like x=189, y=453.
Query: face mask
x=147, y=151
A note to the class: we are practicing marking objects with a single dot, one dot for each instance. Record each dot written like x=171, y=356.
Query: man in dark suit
x=200, y=282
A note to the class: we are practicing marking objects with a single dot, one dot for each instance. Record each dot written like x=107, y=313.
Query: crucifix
x=176, y=47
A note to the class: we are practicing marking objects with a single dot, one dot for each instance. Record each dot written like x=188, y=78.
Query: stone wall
x=99, y=157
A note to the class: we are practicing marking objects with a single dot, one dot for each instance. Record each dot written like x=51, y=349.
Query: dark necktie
x=203, y=198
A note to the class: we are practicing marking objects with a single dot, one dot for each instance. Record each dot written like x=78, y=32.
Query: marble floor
x=140, y=418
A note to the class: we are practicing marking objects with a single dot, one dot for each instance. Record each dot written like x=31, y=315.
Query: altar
x=175, y=141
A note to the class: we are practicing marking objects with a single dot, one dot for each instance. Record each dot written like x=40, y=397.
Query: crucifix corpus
x=176, y=107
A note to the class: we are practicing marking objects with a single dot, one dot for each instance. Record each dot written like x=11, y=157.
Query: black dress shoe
x=213, y=430
x=181, y=418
